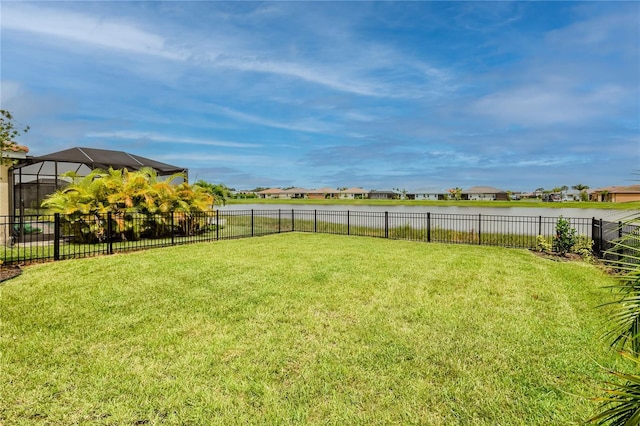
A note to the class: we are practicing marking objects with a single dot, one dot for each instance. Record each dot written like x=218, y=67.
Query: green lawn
x=304, y=329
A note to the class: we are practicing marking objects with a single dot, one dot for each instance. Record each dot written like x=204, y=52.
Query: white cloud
x=311, y=126
x=607, y=31
x=547, y=104
x=546, y=162
x=161, y=138
x=313, y=74
x=253, y=161
x=232, y=50
x=86, y=29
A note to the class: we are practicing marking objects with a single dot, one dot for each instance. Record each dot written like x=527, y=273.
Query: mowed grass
x=304, y=329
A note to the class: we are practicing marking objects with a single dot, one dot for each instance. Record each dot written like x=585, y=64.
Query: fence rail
x=56, y=237
x=607, y=234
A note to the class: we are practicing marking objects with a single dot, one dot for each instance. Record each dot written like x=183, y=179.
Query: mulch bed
x=569, y=257
x=8, y=272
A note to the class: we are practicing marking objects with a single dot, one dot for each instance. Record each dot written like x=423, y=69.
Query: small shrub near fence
x=56, y=237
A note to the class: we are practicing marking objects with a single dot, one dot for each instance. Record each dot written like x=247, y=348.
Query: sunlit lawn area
x=304, y=329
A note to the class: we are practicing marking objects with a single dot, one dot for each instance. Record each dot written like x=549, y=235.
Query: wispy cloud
x=313, y=93
x=162, y=138
x=198, y=159
x=316, y=75
x=309, y=125
x=372, y=76
x=84, y=28
x=548, y=104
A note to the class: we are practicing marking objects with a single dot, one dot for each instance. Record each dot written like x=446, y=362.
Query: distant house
x=352, y=193
x=616, y=194
x=270, y=193
x=383, y=195
x=484, y=193
x=295, y=193
x=425, y=196
x=290, y=193
x=323, y=193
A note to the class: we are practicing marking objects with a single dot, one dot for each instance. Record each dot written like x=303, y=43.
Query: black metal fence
x=56, y=237
x=607, y=234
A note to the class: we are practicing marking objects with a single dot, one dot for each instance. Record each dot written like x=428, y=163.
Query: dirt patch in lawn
x=8, y=272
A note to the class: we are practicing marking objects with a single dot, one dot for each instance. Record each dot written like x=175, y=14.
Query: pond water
x=605, y=214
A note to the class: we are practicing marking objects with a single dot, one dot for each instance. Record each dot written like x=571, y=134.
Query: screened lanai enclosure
x=35, y=178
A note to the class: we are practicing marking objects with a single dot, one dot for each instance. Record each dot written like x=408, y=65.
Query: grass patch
x=303, y=328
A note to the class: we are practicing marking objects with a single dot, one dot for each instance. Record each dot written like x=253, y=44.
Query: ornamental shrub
x=138, y=201
x=584, y=247
x=565, y=237
x=543, y=245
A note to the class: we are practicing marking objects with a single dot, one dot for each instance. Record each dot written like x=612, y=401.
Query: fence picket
x=137, y=231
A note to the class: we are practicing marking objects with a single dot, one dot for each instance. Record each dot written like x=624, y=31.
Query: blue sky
x=412, y=95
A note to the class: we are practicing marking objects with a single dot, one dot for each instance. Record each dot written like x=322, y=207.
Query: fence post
x=620, y=249
x=217, y=225
x=293, y=221
x=601, y=237
x=109, y=234
x=594, y=236
x=386, y=224
x=539, y=225
x=315, y=220
x=428, y=227
x=279, y=218
x=479, y=228
x=21, y=222
x=348, y=224
x=173, y=232
x=252, y=222
x=56, y=236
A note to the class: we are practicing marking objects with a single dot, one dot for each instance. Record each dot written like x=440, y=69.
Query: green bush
x=584, y=247
x=543, y=245
x=565, y=237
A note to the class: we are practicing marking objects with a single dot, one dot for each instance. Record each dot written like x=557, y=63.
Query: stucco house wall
x=425, y=196
x=353, y=193
x=616, y=194
x=269, y=193
x=625, y=197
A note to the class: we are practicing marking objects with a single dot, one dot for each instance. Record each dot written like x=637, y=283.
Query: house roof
x=271, y=191
x=324, y=190
x=104, y=158
x=354, y=191
x=295, y=190
x=482, y=190
x=630, y=189
x=13, y=146
x=373, y=191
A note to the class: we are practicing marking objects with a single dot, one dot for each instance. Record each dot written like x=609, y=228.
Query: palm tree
x=580, y=187
x=220, y=192
x=583, y=191
x=456, y=193
x=137, y=200
x=621, y=405
x=82, y=202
